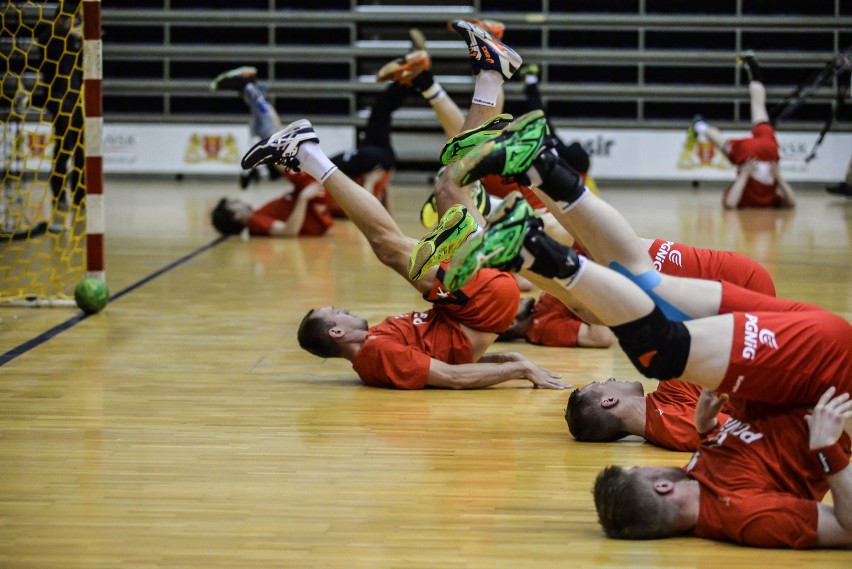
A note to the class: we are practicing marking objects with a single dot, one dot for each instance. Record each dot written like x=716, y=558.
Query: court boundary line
x=74, y=320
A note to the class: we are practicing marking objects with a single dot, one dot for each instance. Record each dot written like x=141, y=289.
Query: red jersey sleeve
x=670, y=416
x=317, y=218
x=384, y=362
x=259, y=224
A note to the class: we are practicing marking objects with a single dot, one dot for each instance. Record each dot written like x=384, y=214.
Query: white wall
x=616, y=154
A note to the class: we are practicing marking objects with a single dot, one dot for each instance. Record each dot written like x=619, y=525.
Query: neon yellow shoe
x=440, y=243
x=499, y=246
x=592, y=185
x=691, y=135
x=480, y=198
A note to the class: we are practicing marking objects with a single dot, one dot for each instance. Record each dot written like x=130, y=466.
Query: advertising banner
x=615, y=154
x=192, y=149
x=668, y=155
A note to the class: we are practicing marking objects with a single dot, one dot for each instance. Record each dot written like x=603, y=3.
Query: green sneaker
x=459, y=145
x=439, y=244
x=509, y=154
x=499, y=246
x=530, y=69
x=480, y=198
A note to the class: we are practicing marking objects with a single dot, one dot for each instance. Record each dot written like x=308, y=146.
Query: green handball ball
x=91, y=295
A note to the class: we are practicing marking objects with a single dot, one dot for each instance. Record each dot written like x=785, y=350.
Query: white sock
x=314, y=161
x=434, y=100
x=487, y=88
x=530, y=79
x=436, y=91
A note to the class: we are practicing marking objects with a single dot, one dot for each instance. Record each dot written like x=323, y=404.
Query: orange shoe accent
x=487, y=55
x=493, y=27
x=404, y=69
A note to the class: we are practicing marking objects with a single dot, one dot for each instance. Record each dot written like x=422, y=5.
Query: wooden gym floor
x=184, y=427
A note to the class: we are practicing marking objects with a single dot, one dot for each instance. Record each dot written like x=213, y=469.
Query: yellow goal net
x=44, y=207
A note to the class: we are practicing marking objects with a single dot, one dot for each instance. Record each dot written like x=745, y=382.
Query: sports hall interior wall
x=619, y=64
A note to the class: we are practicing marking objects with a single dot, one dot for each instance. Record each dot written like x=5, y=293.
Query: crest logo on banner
x=36, y=143
x=699, y=152
x=212, y=148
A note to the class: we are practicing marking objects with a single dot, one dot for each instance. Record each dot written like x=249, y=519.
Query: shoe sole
x=431, y=244
x=459, y=151
x=414, y=67
x=429, y=213
x=505, y=54
x=214, y=85
x=475, y=156
x=478, y=195
x=460, y=271
x=273, y=141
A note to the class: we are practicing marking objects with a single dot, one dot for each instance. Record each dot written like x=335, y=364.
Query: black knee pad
x=552, y=259
x=559, y=180
x=657, y=346
x=576, y=157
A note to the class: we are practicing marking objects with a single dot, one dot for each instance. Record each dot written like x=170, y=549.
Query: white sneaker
x=486, y=51
x=281, y=147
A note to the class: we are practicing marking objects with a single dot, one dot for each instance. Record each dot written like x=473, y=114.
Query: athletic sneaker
x=439, y=244
x=404, y=69
x=749, y=60
x=509, y=154
x=459, y=145
x=493, y=27
x=281, y=147
x=247, y=177
x=532, y=70
x=234, y=79
x=745, y=57
x=480, y=198
x=486, y=51
x=691, y=135
x=418, y=40
x=498, y=247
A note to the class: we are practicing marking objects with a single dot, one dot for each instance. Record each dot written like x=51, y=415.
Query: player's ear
x=336, y=332
x=608, y=402
x=663, y=487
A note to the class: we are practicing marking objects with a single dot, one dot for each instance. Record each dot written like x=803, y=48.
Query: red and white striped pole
x=93, y=101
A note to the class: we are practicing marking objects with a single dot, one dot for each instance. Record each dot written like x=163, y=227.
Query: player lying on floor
x=760, y=479
x=444, y=346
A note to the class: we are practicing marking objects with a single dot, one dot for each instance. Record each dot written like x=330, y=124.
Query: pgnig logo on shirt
x=755, y=337
x=667, y=252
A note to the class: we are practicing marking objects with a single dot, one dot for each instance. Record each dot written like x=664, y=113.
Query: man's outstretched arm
x=491, y=370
